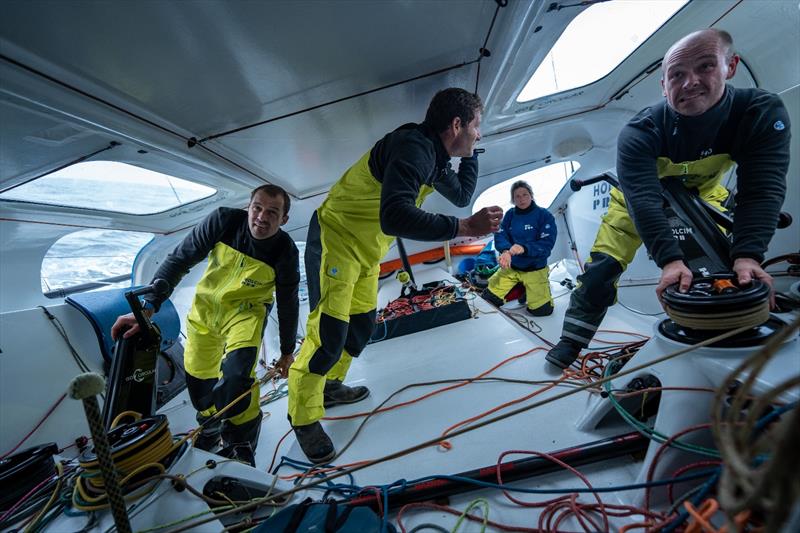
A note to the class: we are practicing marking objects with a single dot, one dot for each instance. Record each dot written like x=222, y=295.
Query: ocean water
x=92, y=255
x=110, y=186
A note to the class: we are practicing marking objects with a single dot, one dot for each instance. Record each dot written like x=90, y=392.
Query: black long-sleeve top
x=274, y=265
x=403, y=161
x=750, y=125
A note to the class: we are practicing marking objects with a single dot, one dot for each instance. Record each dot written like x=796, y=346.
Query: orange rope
x=699, y=521
x=435, y=392
x=447, y=445
x=318, y=471
x=637, y=525
x=409, y=402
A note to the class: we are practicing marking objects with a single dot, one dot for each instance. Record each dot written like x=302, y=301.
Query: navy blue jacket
x=534, y=229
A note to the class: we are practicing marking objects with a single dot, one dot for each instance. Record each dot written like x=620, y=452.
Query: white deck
x=456, y=351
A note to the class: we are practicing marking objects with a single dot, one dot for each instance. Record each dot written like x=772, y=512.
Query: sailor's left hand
x=283, y=364
x=747, y=270
x=516, y=249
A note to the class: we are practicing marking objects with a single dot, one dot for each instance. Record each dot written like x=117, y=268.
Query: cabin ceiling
x=198, y=68
x=76, y=75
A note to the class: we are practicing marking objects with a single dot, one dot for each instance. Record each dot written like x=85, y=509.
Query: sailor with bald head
x=701, y=129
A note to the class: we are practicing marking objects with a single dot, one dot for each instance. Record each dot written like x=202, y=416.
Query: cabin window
x=110, y=186
x=546, y=182
x=303, y=288
x=595, y=42
x=91, y=259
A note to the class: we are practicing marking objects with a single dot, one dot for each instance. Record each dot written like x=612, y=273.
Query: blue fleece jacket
x=534, y=229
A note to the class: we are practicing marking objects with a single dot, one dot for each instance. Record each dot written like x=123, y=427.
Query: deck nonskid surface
x=462, y=350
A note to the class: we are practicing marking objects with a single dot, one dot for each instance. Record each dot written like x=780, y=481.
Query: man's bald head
x=722, y=38
x=695, y=69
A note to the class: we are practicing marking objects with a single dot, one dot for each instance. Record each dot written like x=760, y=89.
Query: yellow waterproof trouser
x=340, y=326
x=537, y=285
x=346, y=288
x=617, y=241
x=224, y=330
x=206, y=350
x=617, y=235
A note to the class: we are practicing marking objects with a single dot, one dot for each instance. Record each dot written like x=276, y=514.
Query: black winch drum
x=704, y=307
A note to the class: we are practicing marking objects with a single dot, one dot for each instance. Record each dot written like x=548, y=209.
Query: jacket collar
x=712, y=118
x=518, y=211
x=442, y=157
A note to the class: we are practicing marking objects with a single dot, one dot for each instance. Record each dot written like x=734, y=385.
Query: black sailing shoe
x=337, y=393
x=492, y=299
x=240, y=451
x=546, y=309
x=209, y=438
x=564, y=353
x=316, y=444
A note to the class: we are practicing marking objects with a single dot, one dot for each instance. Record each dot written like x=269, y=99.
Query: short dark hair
x=274, y=191
x=520, y=185
x=727, y=41
x=450, y=103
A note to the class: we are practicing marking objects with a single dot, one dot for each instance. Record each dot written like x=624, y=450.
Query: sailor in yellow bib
x=526, y=237
x=251, y=262
x=376, y=199
x=697, y=134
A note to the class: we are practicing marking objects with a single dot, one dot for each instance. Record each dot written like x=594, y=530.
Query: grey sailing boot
x=315, y=443
x=337, y=393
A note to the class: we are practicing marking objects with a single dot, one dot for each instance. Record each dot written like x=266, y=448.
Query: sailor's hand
x=125, y=324
x=516, y=250
x=283, y=364
x=674, y=272
x=747, y=270
x=485, y=221
x=504, y=260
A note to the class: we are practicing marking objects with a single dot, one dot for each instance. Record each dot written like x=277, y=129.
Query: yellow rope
x=130, y=461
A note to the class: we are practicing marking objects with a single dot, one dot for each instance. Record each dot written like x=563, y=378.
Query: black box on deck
x=421, y=320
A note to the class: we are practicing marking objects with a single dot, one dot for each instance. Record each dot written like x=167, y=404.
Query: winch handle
x=576, y=185
x=158, y=287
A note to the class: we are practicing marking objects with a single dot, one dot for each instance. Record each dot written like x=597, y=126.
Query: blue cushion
x=309, y=516
x=103, y=307
x=466, y=265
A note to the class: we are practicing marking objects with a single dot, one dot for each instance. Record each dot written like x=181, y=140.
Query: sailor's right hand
x=125, y=324
x=674, y=272
x=504, y=260
x=485, y=221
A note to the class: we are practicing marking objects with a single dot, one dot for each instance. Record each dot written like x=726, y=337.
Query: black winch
x=715, y=302
x=718, y=303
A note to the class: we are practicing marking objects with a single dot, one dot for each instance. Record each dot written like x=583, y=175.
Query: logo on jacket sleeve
x=779, y=125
